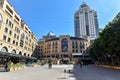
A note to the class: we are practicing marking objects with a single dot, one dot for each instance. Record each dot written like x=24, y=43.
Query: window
x=18, y=37
x=6, y=29
x=73, y=51
x=4, y=38
x=76, y=51
x=17, y=30
x=10, y=24
x=81, y=51
x=7, y=21
x=10, y=33
x=56, y=44
x=26, y=38
x=8, y=39
x=72, y=46
x=64, y=45
x=22, y=40
x=0, y=20
x=72, y=43
x=14, y=35
x=76, y=46
x=13, y=41
x=16, y=43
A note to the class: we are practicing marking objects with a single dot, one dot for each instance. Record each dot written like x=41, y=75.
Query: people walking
x=6, y=67
x=49, y=64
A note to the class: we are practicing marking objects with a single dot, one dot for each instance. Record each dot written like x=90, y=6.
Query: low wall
x=108, y=66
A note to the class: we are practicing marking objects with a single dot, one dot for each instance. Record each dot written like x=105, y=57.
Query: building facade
x=64, y=47
x=86, y=22
x=15, y=36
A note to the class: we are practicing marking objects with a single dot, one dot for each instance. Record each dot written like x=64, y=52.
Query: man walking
x=6, y=67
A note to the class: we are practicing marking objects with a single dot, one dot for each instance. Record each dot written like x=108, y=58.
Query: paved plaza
x=89, y=72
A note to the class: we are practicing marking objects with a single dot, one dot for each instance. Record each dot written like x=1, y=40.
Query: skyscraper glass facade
x=86, y=22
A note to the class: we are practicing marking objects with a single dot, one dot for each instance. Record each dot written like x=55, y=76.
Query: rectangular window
x=4, y=38
x=6, y=29
x=73, y=51
x=26, y=38
x=13, y=41
x=8, y=39
x=12, y=26
x=7, y=21
x=10, y=32
x=18, y=37
x=17, y=30
x=16, y=43
x=14, y=35
x=76, y=51
x=10, y=23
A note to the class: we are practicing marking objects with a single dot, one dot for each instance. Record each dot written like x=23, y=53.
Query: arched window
x=4, y=49
x=20, y=53
x=28, y=54
x=24, y=54
x=13, y=51
x=64, y=45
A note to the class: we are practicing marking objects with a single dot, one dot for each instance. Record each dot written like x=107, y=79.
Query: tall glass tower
x=86, y=22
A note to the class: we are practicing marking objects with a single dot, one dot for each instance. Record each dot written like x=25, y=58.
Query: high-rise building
x=86, y=22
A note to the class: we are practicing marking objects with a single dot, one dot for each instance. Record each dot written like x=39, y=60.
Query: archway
x=4, y=58
x=13, y=51
x=24, y=54
x=28, y=54
x=4, y=49
x=20, y=53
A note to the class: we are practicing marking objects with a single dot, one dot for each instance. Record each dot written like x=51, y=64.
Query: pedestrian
x=6, y=67
x=81, y=63
x=49, y=64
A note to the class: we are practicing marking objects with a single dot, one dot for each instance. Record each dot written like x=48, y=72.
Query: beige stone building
x=15, y=36
x=64, y=47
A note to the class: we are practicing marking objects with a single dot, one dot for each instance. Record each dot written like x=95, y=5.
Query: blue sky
x=43, y=16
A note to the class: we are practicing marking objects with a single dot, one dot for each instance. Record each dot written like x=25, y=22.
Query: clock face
x=0, y=19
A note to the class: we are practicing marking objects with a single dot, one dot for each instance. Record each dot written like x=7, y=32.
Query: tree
x=108, y=43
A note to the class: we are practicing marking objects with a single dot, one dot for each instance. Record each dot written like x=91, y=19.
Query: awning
x=77, y=54
x=16, y=55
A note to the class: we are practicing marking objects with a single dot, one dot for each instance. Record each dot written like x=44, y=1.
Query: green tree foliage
x=107, y=46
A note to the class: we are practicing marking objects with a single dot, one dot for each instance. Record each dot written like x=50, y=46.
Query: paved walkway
x=89, y=72
x=92, y=72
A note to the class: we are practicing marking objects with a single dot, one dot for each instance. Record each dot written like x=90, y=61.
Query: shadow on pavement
x=74, y=74
x=91, y=72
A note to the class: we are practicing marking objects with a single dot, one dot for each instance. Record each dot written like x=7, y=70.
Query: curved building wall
x=64, y=47
x=15, y=35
